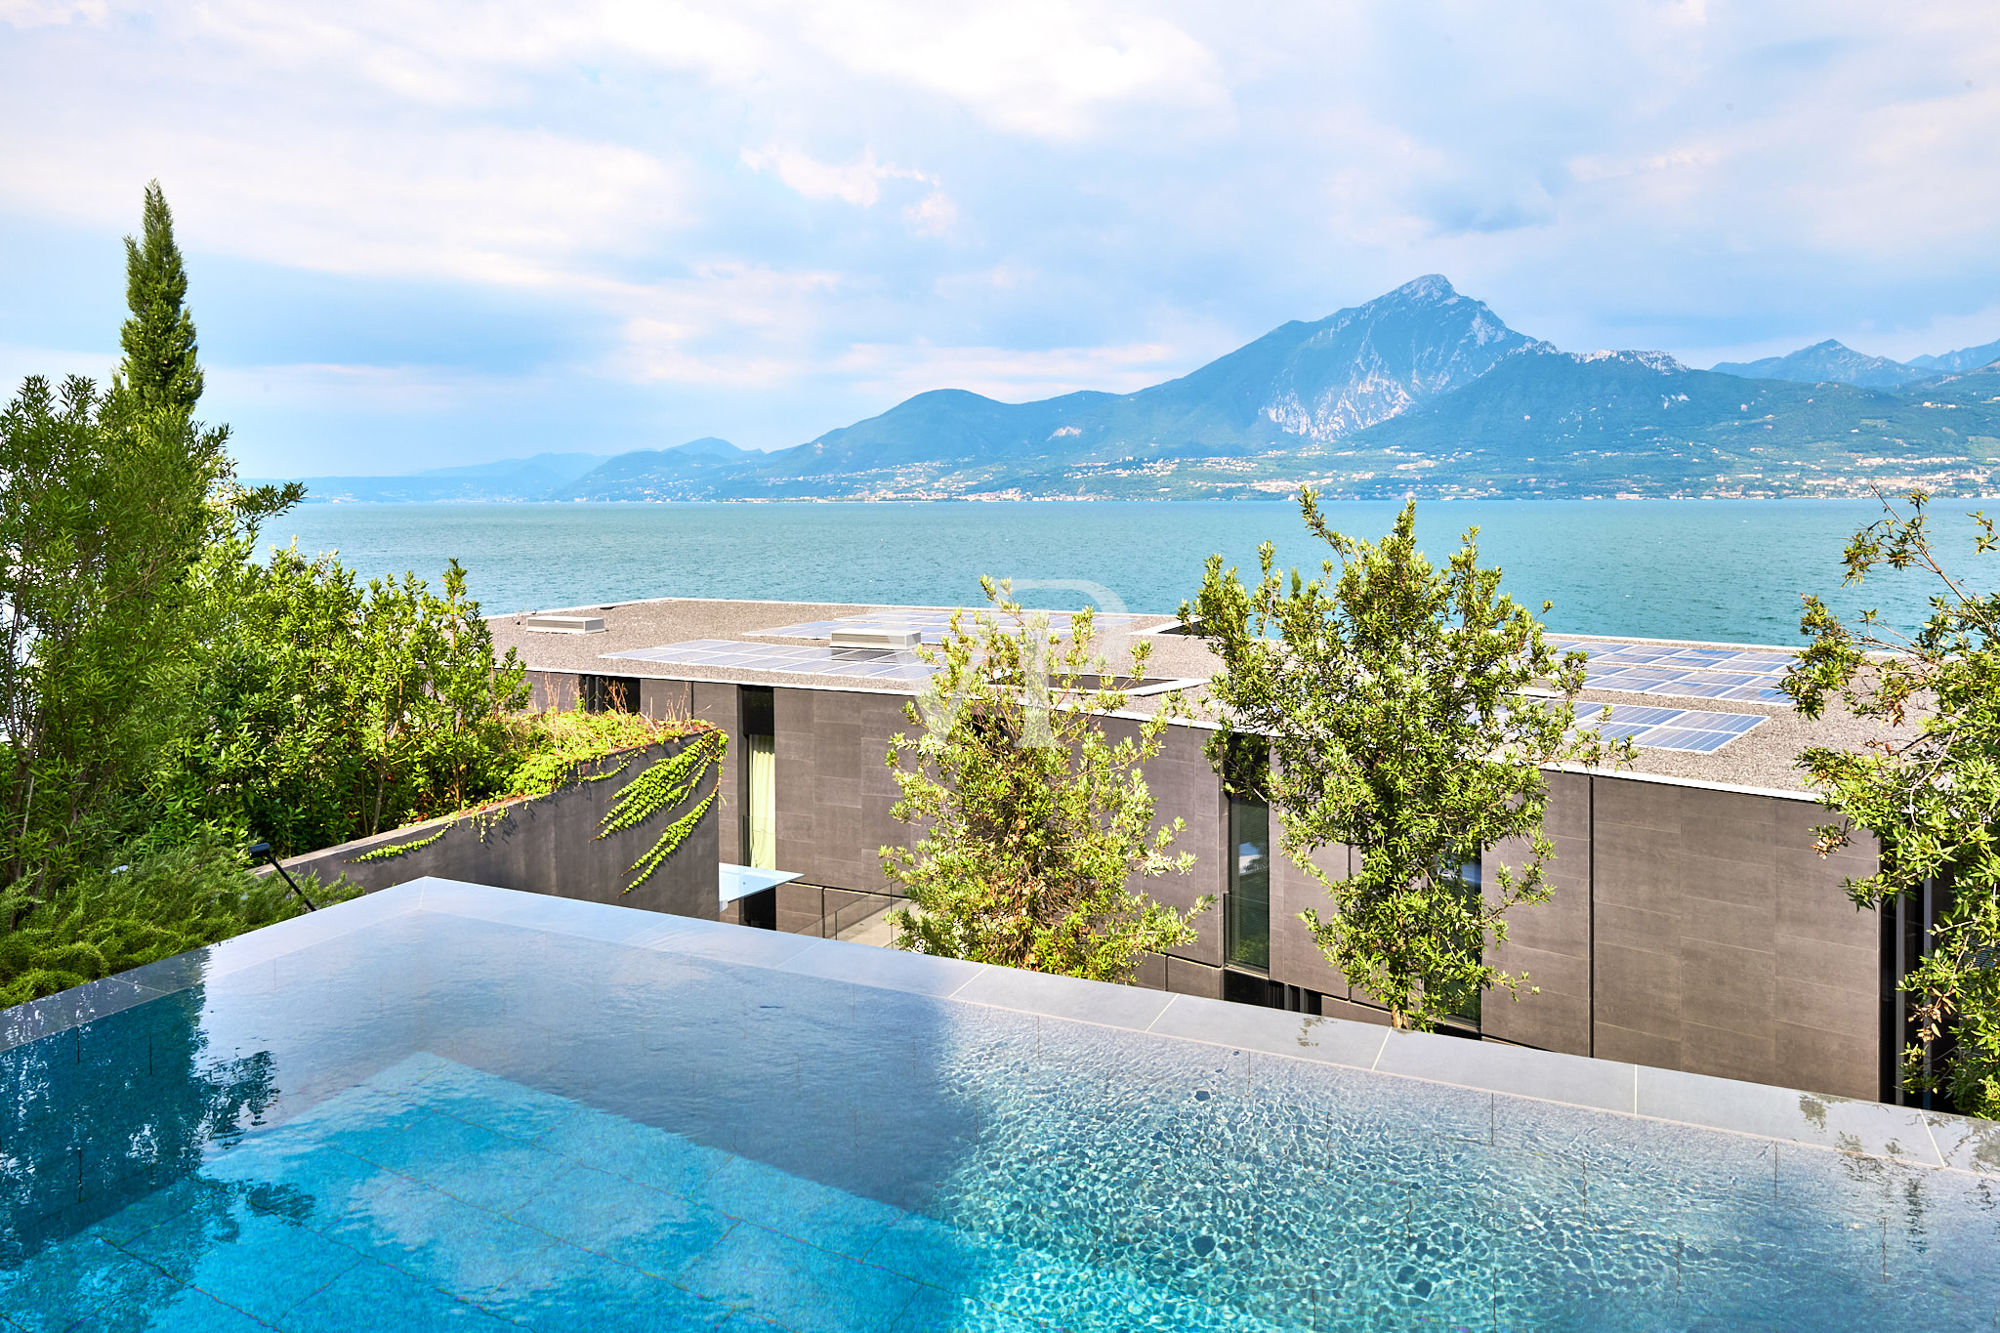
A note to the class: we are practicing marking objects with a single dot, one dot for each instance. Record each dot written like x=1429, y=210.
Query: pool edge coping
x=1907, y=1136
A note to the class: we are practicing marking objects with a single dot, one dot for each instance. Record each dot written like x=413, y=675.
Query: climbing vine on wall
x=662, y=787
x=390, y=853
x=668, y=783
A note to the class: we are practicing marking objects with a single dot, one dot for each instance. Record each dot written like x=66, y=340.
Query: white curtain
x=761, y=801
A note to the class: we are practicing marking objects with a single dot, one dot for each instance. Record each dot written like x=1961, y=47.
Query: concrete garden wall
x=548, y=845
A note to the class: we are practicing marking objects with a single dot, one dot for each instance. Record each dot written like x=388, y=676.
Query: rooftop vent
x=876, y=637
x=564, y=624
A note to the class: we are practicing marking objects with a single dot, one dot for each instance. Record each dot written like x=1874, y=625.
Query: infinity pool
x=452, y=1107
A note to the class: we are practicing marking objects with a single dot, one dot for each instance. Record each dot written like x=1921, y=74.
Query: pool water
x=434, y=1193
x=436, y=1120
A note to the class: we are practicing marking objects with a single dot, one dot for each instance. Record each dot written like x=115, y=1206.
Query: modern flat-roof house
x=551, y=1104
x=1694, y=926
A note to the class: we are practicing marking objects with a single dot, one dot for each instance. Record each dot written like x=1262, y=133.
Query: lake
x=1730, y=570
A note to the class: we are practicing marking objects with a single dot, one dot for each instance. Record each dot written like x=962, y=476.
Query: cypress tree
x=159, y=369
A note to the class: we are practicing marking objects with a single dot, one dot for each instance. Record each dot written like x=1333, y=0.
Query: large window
x=1467, y=1009
x=1249, y=914
x=760, y=778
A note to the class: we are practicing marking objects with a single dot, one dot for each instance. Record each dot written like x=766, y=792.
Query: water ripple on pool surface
x=529, y=1130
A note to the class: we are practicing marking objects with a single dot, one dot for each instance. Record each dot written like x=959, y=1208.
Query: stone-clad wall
x=716, y=704
x=545, y=844
x=1295, y=958
x=1550, y=941
x=835, y=791
x=1185, y=786
x=1696, y=928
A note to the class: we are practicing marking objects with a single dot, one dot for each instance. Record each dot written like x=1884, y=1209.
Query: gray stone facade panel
x=835, y=791
x=546, y=845
x=716, y=704
x=1549, y=941
x=1725, y=944
x=1185, y=786
x=1295, y=958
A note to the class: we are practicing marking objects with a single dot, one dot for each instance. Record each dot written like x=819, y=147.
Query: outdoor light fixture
x=263, y=849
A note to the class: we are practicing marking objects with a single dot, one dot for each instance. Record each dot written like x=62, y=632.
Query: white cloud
x=732, y=324
x=368, y=388
x=1012, y=375
x=933, y=215
x=52, y=13
x=474, y=51
x=54, y=364
x=1043, y=68
x=483, y=204
x=858, y=183
x=1124, y=179
x=1046, y=68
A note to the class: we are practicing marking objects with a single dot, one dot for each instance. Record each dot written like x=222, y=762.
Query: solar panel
x=1749, y=675
x=1655, y=728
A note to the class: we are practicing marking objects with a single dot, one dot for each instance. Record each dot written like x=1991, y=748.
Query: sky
x=424, y=234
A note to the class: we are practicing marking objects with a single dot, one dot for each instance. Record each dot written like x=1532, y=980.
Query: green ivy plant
x=572, y=752
x=666, y=784
x=401, y=848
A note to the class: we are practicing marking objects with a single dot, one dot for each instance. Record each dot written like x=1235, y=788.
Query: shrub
x=108, y=921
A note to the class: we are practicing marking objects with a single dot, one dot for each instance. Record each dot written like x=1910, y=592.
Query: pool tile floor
x=438, y=1196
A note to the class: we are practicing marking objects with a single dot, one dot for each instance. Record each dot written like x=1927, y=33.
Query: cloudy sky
x=423, y=234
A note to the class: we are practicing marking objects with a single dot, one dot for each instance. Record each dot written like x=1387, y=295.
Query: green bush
x=326, y=711
x=554, y=747
x=105, y=922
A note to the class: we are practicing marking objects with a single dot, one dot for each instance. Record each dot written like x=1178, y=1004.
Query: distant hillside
x=651, y=474
x=1966, y=358
x=1315, y=381
x=1422, y=390
x=1642, y=423
x=1828, y=362
x=508, y=479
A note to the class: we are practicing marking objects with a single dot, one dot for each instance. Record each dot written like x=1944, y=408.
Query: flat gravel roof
x=1766, y=757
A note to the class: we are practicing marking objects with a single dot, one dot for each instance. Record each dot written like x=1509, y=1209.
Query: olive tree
x=1396, y=700
x=1928, y=786
x=1032, y=822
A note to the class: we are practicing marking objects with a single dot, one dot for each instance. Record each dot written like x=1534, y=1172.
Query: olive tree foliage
x=1395, y=700
x=1032, y=822
x=1929, y=786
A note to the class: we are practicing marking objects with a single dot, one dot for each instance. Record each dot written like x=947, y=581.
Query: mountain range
x=1423, y=390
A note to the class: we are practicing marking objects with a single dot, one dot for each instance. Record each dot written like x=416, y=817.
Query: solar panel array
x=799, y=659
x=1670, y=728
x=1653, y=728
x=1746, y=674
x=932, y=624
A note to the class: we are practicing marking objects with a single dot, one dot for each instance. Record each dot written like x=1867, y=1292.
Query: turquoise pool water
x=437, y=1120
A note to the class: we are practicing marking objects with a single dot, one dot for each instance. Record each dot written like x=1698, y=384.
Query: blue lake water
x=443, y=1120
x=1725, y=570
